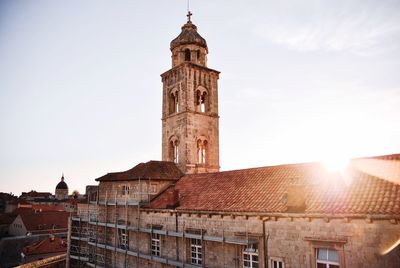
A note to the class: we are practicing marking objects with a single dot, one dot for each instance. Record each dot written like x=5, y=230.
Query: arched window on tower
x=198, y=56
x=174, y=151
x=174, y=102
x=201, y=101
x=202, y=151
x=187, y=54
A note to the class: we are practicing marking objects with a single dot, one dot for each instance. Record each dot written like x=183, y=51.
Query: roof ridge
x=259, y=168
x=299, y=164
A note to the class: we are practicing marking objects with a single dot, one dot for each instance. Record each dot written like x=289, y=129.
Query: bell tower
x=190, y=131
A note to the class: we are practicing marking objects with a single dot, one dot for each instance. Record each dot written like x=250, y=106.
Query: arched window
x=198, y=55
x=187, y=54
x=201, y=101
x=202, y=151
x=174, y=102
x=174, y=151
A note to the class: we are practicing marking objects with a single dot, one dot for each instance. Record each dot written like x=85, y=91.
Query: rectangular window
x=250, y=256
x=277, y=263
x=125, y=190
x=123, y=238
x=196, y=251
x=153, y=188
x=155, y=244
x=327, y=258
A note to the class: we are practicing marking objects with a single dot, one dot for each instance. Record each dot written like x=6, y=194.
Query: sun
x=335, y=164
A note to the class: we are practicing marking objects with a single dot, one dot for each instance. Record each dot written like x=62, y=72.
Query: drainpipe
x=176, y=238
x=265, y=241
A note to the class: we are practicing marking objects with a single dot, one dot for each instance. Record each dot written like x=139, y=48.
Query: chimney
x=296, y=201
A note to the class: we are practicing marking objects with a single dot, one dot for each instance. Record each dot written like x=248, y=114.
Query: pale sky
x=80, y=90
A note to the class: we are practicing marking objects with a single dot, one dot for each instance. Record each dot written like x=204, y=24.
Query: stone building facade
x=183, y=212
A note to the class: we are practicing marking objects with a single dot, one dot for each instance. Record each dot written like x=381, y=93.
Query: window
x=153, y=188
x=201, y=151
x=250, y=256
x=125, y=190
x=327, y=258
x=155, y=244
x=201, y=101
x=277, y=263
x=174, y=151
x=187, y=54
x=198, y=55
x=196, y=254
x=174, y=102
x=123, y=238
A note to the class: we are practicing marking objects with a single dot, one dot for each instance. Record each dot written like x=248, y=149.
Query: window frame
x=125, y=190
x=188, y=56
x=173, y=150
x=156, y=243
x=327, y=262
x=252, y=252
x=277, y=260
x=173, y=102
x=202, y=151
x=153, y=188
x=336, y=243
x=123, y=238
x=196, y=251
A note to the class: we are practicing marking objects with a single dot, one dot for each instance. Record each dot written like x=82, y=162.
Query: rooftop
x=188, y=35
x=49, y=245
x=368, y=185
x=155, y=170
x=44, y=220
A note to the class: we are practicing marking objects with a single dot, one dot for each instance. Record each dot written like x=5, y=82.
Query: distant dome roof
x=62, y=185
x=189, y=35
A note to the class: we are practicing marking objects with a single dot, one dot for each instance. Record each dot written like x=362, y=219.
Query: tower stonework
x=190, y=131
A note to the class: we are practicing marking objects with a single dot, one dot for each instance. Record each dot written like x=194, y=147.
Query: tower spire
x=189, y=15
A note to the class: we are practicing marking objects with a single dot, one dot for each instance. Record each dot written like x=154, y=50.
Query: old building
x=36, y=221
x=34, y=196
x=183, y=212
x=61, y=192
x=43, y=249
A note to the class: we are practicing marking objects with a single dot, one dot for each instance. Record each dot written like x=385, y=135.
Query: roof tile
x=162, y=170
x=369, y=185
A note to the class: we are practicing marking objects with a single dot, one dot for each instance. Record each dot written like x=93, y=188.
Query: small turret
x=189, y=46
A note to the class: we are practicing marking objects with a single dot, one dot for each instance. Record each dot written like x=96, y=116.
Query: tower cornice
x=189, y=64
x=214, y=115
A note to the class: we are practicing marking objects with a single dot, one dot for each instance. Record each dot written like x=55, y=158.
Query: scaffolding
x=100, y=234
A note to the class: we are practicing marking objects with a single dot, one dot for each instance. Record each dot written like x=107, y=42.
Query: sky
x=80, y=91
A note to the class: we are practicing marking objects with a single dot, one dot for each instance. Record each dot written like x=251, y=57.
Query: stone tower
x=190, y=132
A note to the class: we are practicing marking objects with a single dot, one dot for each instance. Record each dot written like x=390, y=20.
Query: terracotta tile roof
x=46, y=246
x=45, y=220
x=169, y=198
x=39, y=207
x=151, y=170
x=34, y=194
x=369, y=185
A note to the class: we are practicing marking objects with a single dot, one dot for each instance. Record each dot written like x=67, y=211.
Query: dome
x=189, y=35
x=62, y=185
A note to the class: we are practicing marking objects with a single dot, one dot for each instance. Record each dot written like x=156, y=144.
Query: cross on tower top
x=189, y=14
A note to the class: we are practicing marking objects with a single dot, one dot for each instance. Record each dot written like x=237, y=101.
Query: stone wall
x=188, y=125
x=112, y=191
x=292, y=238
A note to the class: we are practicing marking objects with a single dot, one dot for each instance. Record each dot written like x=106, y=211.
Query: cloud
x=359, y=29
